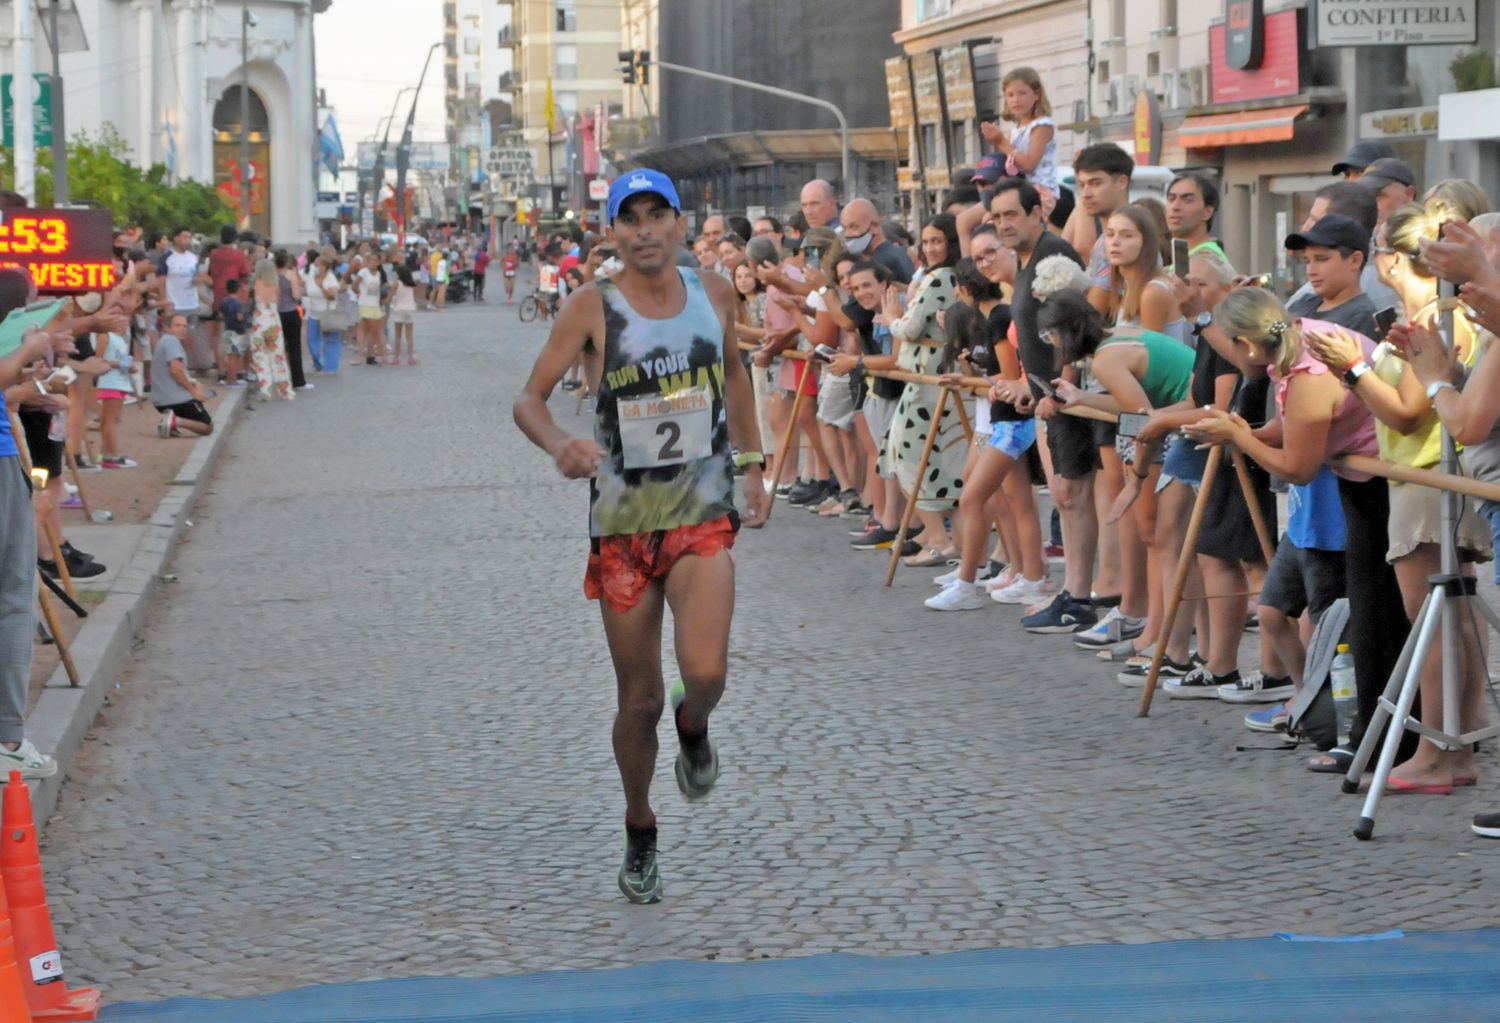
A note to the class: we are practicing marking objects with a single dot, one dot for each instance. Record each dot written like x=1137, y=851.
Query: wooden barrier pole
x=53, y=540
x=791, y=435
x=1184, y=566
x=55, y=627
x=83, y=497
x=911, y=504
x=1424, y=477
x=1262, y=531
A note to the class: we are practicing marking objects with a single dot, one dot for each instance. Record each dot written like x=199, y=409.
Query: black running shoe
x=84, y=570
x=640, y=881
x=807, y=492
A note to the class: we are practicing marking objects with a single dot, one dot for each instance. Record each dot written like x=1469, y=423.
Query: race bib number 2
x=670, y=430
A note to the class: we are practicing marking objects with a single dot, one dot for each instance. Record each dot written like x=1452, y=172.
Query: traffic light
x=633, y=66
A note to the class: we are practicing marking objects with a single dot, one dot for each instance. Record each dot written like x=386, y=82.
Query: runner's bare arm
x=580, y=320
x=739, y=400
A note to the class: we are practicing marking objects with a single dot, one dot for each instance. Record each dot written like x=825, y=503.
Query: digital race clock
x=68, y=252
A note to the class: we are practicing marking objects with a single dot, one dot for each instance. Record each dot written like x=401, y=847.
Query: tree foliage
x=100, y=174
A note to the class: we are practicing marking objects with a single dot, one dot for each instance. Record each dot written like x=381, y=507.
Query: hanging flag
x=569, y=150
x=330, y=146
x=171, y=154
x=588, y=141
x=551, y=109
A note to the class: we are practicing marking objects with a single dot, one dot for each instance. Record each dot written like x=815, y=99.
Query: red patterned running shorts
x=622, y=567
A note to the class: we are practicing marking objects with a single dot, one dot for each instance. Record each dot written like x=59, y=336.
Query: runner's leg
x=634, y=639
x=701, y=593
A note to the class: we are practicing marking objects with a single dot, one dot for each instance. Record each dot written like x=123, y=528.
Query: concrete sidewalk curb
x=63, y=714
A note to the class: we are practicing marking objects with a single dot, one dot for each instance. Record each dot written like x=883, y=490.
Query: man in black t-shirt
x=1335, y=248
x=1016, y=208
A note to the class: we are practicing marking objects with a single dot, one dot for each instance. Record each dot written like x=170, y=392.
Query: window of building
x=567, y=15
x=933, y=9
x=471, y=79
x=566, y=61
x=471, y=44
x=1153, y=63
x=1104, y=72
x=567, y=104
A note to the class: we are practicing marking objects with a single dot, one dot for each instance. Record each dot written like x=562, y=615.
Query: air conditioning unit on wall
x=1192, y=86
x=1122, y=92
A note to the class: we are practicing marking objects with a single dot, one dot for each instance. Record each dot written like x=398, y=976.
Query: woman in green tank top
x=1138, y=370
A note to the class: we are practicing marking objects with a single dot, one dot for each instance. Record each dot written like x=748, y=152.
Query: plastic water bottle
x=1345, y=699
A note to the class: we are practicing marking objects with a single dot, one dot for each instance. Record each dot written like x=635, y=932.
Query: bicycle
x=532, y=305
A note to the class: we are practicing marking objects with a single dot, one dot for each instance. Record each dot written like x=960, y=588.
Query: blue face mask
x=858, y=243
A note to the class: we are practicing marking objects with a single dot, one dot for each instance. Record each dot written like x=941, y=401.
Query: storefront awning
x=1275, y=124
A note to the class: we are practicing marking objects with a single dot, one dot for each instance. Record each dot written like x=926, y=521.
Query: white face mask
x=859, y=244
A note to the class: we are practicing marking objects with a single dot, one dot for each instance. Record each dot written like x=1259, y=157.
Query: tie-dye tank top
x=661, y=418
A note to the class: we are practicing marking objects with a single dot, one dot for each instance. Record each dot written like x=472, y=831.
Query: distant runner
x=658, y=342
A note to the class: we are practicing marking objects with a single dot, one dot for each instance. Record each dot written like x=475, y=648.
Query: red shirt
x=227, y=263
x=567, y=263
x=508, y=264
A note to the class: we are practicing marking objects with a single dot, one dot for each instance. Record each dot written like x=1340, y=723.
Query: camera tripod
x=1451, y=599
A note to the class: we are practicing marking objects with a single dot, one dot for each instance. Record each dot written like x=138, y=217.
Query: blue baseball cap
x=643, y=181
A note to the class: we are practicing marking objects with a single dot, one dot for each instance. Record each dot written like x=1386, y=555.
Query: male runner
x=659, y=343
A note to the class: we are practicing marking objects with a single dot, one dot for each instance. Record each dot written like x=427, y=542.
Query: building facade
x=166, y=74
x=463, y=59
x=1271, y=129
x=565, y=46
x=949, y=92
x=733, y=148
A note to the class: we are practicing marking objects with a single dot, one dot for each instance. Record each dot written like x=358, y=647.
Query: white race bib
x=668, y=430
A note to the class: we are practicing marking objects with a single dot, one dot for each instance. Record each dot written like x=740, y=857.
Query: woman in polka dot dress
x=920, y=334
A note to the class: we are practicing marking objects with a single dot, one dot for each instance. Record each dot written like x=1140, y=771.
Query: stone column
x=146, y=113
x=307, y=129
x=189, y=85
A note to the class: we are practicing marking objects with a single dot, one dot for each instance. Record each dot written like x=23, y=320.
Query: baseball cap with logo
x=990, y=170
x=643, y=181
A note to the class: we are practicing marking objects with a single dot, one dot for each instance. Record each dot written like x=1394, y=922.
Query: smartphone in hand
x=1042, y=385
x=1132, y=423
x=1180, y=258
x=823, y=353
x=1385, y=319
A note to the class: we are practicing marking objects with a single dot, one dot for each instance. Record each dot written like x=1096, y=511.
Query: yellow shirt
x=1423, y=448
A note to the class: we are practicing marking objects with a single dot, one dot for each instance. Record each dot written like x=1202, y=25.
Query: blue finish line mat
x=1450, y=977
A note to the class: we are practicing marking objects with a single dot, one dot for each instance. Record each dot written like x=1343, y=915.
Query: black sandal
x=1333, y=761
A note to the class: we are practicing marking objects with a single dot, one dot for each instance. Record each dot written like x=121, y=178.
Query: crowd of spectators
x=1113, y=344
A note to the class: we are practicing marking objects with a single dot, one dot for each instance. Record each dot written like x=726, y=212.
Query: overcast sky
x=368, y=50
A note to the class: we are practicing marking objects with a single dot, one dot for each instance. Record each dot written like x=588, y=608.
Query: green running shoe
x=640, y=881
x=697, y=769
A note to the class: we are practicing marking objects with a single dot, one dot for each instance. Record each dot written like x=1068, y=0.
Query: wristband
x=1354, y=372
x=745, y=459
x=42, y=389
x=1439, y=385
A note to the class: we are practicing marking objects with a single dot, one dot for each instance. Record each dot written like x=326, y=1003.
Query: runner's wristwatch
x=1354, y=372
x=1439, y=385
x=745, y=459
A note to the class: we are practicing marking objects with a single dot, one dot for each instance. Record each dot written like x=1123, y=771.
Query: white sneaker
x=947, y=578
x=30, y=761
x=957, y=596
x=1001, y=581
x=1022, y=591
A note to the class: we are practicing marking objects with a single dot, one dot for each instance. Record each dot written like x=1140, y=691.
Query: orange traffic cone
x=35, y=945
x=12, y=989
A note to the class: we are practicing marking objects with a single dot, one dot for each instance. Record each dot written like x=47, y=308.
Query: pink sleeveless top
x=1352, y=431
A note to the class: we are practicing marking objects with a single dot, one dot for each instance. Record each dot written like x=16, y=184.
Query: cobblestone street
x=367, y=735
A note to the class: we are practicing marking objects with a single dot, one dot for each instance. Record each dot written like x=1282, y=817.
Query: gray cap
x=1362, y=154
x=1387, y=172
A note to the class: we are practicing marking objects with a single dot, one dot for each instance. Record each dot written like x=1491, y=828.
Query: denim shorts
x=1013, y=437
x=1490, y=512
x=1183, y=463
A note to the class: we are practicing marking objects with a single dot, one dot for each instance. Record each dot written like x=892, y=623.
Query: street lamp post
x=59, y=125
x=403, y=151
x=380, y=153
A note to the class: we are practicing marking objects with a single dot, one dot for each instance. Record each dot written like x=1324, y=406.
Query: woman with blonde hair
x=1409, y=434
x=267, y=347
x=1319, y=420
